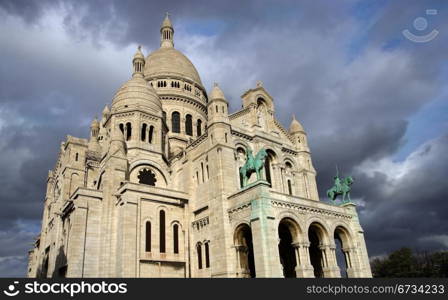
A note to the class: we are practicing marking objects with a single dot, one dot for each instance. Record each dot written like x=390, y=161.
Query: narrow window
x=151, y=132
x=175, y=122
x=199, y=128
x=197, y=177
x=267, y=168
x=222, y=108
x=76, y=157
x=128, y=131
x=207, y=256
x=225, y=136
x=122, y=128
x=162, y=231
x=289, y=187
x=143, y=135
x=148, y=237
x=199, y=251
x=189, y=125
x=202, y=168
x=208, y=174
x=176, y=238
x=216, y=108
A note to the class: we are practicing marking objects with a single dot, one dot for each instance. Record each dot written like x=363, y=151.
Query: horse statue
x=253, y=164
x=341, y=187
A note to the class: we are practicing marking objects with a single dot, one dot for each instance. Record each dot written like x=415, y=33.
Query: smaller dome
x=295, y=126
x=217, y=93
x=137, y=92
x=95, y=124
x=139, y=54
x=167, y=22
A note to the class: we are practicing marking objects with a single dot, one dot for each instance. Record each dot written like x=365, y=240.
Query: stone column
x=242, y=258
x=329, y=263
x=353, y=269
x=303, y=268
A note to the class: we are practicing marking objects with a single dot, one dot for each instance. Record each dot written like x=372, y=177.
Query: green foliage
x=405, y=263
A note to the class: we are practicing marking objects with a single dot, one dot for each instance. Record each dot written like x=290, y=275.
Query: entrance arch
x=317, y=236
x=244, y=251
x=288, y=232
x=344, y=256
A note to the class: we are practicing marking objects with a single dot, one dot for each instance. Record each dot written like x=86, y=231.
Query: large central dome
x=167, y=61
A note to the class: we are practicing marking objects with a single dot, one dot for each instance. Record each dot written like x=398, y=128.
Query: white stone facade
x=156, y=190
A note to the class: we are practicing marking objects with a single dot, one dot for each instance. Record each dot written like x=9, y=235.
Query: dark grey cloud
x=344, y=69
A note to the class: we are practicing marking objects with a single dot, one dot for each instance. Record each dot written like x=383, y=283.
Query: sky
x=372, y=101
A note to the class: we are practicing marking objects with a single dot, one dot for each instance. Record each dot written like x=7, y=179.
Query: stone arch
x=262, y=99
x=272, y=158
x=155, y=166
x=289, y=233
x=318, y=251
x=293, y=221
x=245, y=262
x=290, y=160
x=345, y=256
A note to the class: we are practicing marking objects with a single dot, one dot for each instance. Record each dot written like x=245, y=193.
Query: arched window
x=207, y=256
x=151, y=133
x=199, y=128
x=176, y=238
x=121, y=128
x=289, y=187
x=128, y=131
x=147, y=176
x=188, y=125
x=143, y=134
x=199, y=251
x=148, y=237
x=175, y=122
x=162, y=231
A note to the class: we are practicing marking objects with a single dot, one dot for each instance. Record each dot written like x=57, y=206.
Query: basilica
x=157, y=190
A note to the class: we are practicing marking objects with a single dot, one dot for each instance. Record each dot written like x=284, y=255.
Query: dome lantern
x=167, y=33
x=138, y=62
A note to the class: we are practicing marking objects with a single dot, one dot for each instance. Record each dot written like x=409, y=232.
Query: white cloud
x=442, y=239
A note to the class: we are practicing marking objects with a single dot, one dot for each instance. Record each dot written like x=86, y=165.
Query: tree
x=404, y=263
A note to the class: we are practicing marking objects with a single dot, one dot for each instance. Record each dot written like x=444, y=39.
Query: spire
x=106, y=111
x=138, y=62
x=167, y=33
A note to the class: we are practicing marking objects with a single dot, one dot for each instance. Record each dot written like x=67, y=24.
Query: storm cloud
x=345, y=70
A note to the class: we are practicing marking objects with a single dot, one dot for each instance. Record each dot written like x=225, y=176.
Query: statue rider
x=337, y=180
x=337, y=183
